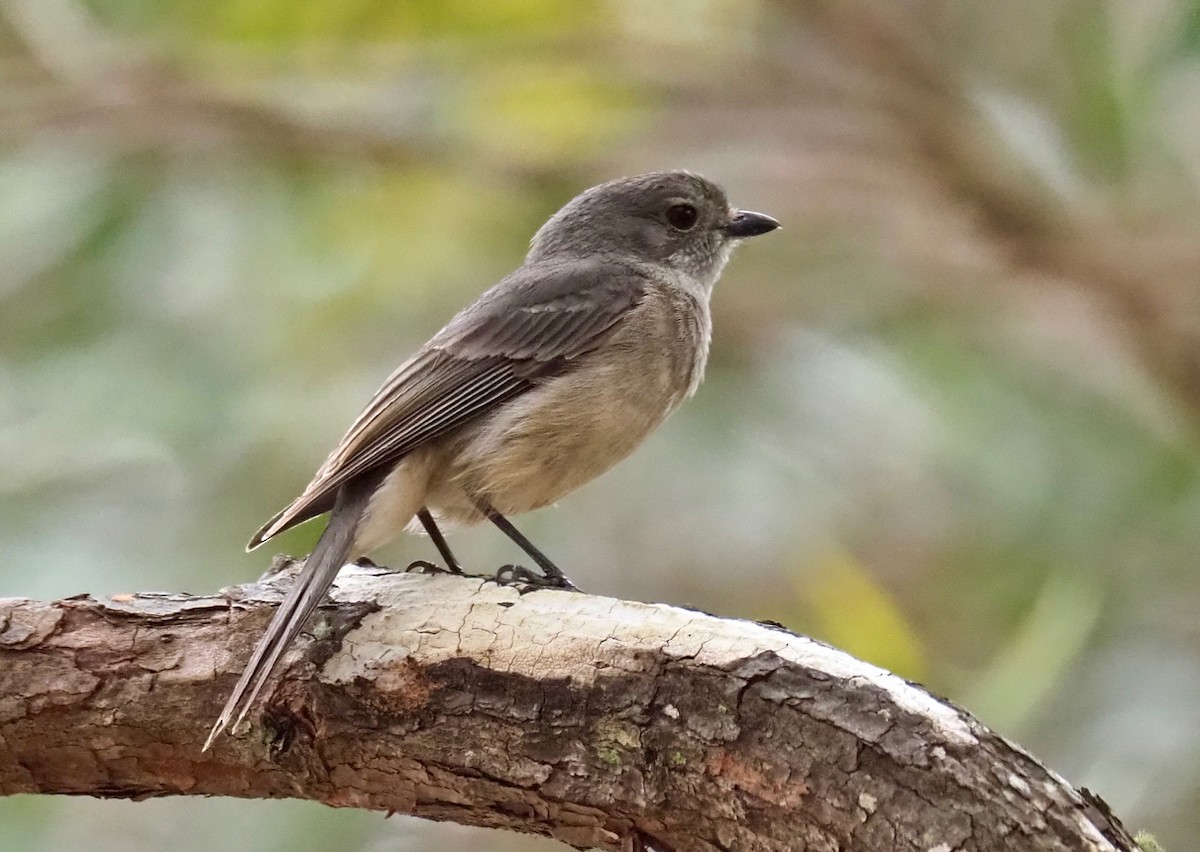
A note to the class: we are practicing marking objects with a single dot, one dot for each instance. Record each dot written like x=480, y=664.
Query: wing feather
x=532, y=324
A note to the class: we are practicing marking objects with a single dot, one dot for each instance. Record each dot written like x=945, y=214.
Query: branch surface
x=600, y=722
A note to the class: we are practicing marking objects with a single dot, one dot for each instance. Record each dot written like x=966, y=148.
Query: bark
x=600, y=722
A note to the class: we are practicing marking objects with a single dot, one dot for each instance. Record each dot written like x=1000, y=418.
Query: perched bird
x=549, y=379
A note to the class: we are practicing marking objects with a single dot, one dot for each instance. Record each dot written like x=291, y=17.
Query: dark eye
x=682, y=216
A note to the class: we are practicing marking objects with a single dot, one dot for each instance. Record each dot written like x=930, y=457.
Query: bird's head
x=677, y=219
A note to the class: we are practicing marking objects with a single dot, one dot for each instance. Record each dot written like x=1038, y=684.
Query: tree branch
x=599, y=722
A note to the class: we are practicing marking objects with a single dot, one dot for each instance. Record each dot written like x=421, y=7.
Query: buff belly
x=540, y=446
x=551, y=441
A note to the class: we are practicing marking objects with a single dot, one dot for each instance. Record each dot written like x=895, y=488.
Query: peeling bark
x=600, y=722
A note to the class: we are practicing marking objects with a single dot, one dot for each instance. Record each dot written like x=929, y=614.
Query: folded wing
x=531, y=325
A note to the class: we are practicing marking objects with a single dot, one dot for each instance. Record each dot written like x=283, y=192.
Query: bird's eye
x=682, y=216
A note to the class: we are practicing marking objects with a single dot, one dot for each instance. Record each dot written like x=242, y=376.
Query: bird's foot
x=373, y=566
x=524, y=580
x=422, y=566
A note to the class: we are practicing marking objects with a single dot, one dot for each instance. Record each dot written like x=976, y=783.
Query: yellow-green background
x=950, y=422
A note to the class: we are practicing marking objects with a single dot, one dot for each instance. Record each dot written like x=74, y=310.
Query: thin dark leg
x=554, y=577
x=439, y=541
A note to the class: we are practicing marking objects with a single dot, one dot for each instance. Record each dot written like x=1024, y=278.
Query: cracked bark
x=600, y=722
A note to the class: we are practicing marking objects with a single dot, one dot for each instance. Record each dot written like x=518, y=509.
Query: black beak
x=746, y=224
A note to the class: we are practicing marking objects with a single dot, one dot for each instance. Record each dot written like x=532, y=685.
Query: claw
x=421, y=566
x=526, y=581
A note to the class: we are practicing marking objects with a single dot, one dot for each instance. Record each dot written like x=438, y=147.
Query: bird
x=546, y=381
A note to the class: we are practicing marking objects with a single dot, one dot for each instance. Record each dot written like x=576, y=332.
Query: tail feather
x=306, y=593
x=304, y=508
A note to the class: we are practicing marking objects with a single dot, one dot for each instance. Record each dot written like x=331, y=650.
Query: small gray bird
x=549, y=379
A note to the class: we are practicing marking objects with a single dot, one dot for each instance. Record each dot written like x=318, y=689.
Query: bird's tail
x=306, y=593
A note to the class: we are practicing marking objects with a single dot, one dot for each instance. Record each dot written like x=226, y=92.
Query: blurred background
x=951, y=415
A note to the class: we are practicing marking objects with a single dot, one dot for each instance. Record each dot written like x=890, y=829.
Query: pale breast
x=574, y=427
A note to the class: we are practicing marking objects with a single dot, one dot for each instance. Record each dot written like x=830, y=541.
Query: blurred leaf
x=546, y=113
x=1189, y=30
x=274, y=24
x=1034, y=660
x=856, y=614
x=1099, y=112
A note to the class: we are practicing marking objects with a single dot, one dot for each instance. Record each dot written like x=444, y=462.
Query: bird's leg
x=552, y=577
x=439, y=541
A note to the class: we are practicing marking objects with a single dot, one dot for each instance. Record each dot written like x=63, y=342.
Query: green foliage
x=850, y=610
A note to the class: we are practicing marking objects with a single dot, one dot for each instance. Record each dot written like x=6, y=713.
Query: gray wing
x=530, y=325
